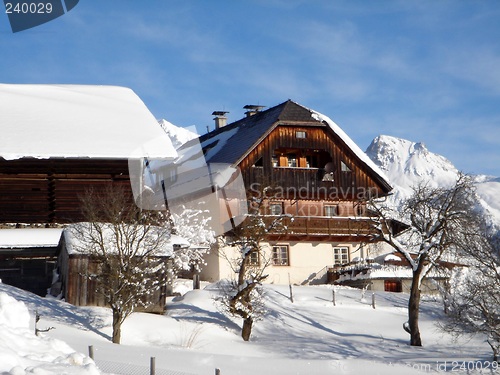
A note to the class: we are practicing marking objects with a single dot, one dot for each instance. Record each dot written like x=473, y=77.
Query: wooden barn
x=57, y=142
x=28, y=257
x=319, y=177
x=75, y=268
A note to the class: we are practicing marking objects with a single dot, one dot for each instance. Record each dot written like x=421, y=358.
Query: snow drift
x=22, y=352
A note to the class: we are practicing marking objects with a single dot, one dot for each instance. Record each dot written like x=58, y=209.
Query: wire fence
x=116, y=368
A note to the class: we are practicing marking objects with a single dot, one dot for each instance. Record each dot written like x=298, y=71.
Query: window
x=300, y=158
x=344, y=167
x=276, y=208
x=300, y=134
x=360, y=210
x=340, y=255
x=331, y=211
x=254, y=259
x=280, y=255
x=275, y=160
x=292, y=160
x=312, y=160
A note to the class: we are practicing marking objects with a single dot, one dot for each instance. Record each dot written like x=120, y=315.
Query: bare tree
x=473, y=302
x=242, y=296
x=437, y=218
x=128, y=247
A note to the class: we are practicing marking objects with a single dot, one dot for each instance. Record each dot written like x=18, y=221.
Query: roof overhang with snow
x=29, y=237
x=30, y=242
x=78, y=121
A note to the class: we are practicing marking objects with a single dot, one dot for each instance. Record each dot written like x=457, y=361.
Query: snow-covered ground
x=309, y=336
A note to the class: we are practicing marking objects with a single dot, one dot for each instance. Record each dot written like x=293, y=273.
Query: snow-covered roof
x=75, y=121
x=29, y=237
x=75, y=244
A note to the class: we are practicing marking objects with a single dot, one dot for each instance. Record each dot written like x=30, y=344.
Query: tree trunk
x=117, y=327
x=413, y=311
x=496, y=350
x=247, y=328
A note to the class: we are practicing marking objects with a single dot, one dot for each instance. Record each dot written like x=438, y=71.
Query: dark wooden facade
x=48, y=190
x=315, y=176
x=79, y=289
x=29, y=269
x=324, y=167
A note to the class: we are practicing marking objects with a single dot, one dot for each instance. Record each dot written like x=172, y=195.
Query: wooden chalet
x=58, y=141
x=319, y=177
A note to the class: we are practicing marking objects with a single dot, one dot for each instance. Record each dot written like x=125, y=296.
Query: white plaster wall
x=308, y=261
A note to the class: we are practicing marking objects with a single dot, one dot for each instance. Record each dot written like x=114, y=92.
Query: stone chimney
x=253, y=109
x=220, y=119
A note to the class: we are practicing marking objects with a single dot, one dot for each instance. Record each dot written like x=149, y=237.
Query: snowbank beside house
x=22, y=352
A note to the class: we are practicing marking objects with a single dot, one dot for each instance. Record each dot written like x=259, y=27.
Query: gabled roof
x=231, y=143
x=78, y=121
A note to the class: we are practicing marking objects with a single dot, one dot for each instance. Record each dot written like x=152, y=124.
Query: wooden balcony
x=352, y=228
x=305, y=183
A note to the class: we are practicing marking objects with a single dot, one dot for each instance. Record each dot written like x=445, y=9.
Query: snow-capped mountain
x=407, y=164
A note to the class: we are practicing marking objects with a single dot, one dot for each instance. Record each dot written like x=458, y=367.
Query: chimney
x=220, y=119
x=253, y=109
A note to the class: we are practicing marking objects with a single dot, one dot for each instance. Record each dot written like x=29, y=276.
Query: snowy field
x=309, y=336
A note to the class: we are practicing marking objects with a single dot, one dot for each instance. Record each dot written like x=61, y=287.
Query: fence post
x=152, y=369
x=333, y=297
x=91, y=352
x=217, y=371
x=196, y=281
x=373, y=300
x=290, y=286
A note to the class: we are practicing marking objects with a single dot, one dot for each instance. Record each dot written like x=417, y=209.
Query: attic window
x=259, y=163
x=344, y=167
x=275, y=160
x=300, y=134
x=292, y=160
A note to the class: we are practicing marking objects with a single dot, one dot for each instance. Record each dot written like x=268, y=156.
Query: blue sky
x=422, y=70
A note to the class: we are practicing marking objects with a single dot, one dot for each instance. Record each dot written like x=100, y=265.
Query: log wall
x=48, y=190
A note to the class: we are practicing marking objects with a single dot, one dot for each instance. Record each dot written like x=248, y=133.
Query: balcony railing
x=326, y=226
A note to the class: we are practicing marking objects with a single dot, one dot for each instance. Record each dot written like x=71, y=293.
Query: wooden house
x=320, y=179
x=57, y=142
